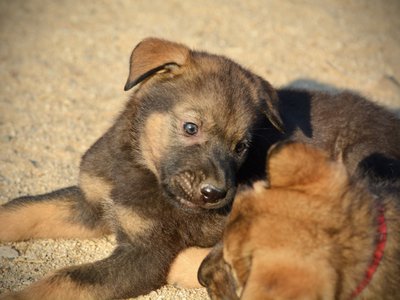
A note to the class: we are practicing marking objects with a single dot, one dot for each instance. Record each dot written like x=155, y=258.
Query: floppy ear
x=270, y=100
x=270, y=103
x=153, y=55
x=213, y=275
x=302, y=166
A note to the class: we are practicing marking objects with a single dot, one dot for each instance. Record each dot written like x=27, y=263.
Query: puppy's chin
x=220, y=204
x=191, y=201
x=199, y=206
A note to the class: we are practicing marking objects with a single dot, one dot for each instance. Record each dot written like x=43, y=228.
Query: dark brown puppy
x=312, y=232
x=365, y=136
x=161, y=178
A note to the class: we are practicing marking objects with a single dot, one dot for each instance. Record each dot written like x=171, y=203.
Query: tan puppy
x=314, y=233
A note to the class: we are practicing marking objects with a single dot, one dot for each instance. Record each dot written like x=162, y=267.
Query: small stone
x=8, y=252
x=34, y=163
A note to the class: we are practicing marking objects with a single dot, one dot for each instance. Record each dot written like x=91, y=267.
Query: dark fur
x=142, y=179
x=134, y=191
x=347, y=126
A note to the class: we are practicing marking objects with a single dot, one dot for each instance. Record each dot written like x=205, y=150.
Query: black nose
x=211, y=194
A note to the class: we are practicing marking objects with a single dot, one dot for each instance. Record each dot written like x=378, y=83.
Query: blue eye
x=190, y=128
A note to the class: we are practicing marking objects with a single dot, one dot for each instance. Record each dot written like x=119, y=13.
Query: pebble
x=8, y=252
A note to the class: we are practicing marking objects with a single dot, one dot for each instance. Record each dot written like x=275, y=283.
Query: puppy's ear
x=270, y=101
x=153, y=55
x=214, y=275
x=299, y=166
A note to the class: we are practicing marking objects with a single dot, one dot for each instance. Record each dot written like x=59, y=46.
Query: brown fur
x=310, y=235
x=154, y=140
x=131, y=222
x=43, y=219
x=162, y=189
x=153, y=56
x=183, y=271
x=54, y=288
x=96, y=189
x=147, y=180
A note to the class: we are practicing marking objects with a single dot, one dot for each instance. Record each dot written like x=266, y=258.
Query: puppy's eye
x=241, y=147
x=190, y=128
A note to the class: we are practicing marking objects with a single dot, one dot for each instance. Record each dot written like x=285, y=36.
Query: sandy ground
x=63, y=65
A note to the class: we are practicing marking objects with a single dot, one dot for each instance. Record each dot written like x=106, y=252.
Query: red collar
x=378, y=254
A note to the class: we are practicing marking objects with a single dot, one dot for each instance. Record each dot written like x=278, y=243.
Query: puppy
x=312, y=232
x=362, y=135
x=162, y=178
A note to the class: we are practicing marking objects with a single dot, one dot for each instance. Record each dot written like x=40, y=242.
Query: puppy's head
x=298, y=166
x=263, y=248
x=194, y=121
x=216, y=276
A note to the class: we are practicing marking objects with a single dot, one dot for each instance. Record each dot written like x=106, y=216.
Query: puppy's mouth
x=185, y=191
x=187, y=203
x=191, y=205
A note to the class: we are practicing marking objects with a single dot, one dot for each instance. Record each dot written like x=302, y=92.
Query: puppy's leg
x=183, y=271
x=57, y=287
x=60, y=214
x=128, y=272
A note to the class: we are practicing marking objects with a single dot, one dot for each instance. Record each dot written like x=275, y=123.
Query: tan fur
x=286, y=275
x=310, y=235
x=305, y=176
x=94, y=187
x=155, y=139
x=131, y=221
x=152, y=53
x=183, y=271
x=55, y=288
x=41, y=220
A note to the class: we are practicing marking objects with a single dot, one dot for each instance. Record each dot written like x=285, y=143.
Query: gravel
x=63, y=65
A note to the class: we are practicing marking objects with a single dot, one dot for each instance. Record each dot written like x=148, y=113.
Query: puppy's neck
x=377, y=255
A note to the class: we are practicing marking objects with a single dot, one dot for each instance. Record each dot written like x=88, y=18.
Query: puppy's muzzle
x=193, y=189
